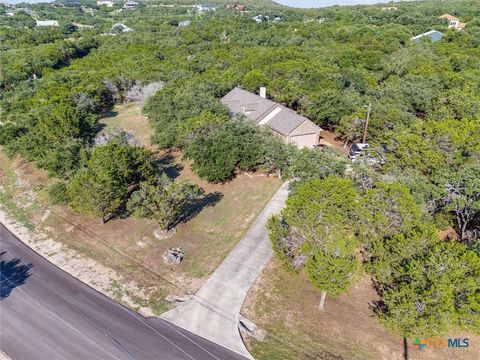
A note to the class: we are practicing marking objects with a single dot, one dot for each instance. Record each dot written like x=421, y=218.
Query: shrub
x=57, y=193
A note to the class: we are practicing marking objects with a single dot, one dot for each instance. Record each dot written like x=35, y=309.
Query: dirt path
x=330, y=139
x=213, y=311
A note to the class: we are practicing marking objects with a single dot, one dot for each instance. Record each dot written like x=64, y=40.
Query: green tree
x=112, y=173
x=201, y=125
x=329, y=106
x=433, y=292
x=307, y=164
x=315, y=232
x=254, y=79
x=331, y=272
x=387, y=209
x=237, y=144
x=461, y=197
x=57, y=193
x=166, y=201
x=171, y=106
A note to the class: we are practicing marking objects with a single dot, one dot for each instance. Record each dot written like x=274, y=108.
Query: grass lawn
x=286, y=305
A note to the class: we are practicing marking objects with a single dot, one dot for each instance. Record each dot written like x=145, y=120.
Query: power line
x=152, y=272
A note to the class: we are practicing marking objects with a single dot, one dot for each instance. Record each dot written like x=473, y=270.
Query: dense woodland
x=327, y=64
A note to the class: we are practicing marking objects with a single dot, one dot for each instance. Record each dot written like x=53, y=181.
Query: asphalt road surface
x=47, y=314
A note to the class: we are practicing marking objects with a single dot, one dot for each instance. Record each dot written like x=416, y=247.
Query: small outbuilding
x=184, y=23
x=207, y=7
x=106, y=3
x=41, y=23
x=434, y=36
x=130, y=5
x=119, y=27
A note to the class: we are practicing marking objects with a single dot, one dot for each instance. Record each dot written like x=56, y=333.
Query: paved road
x=47, y=314
x=213, y=311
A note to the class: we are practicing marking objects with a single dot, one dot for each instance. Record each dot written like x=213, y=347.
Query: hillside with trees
x=342, y=220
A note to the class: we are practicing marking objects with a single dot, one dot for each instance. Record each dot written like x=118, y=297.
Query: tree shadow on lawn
x=12, y=274
x=109, y=113
x=191, y=210
x=196, y=207
x=167, y=165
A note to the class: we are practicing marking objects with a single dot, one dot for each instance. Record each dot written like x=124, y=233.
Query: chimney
x=263, y=92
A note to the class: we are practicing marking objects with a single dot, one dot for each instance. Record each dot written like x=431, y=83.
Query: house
x=453, y=22
x=119, y=27
x=389, y=8
x=184, y=23
x=286, y=124
x=47, y=23
x=106, y=3
x=239, y=7
x=130, y=5
x=82, y=26
x=26, y=10
x=206, y=7
x=434, y=35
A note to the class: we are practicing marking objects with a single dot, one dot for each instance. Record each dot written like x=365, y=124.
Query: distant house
x=119, y=27
x=26, y=10
x=47, y=23
x=239, y=7
x=286, y=124
x=9, y=13
x=434, y=35
x=184, y=23
x=130, y=5
x=389, y=8
x=207, y=7
x=453, y=22
x=106, y=3
x=82, y=26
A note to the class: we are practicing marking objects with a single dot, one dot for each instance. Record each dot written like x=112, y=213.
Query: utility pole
x=196, y=11
x=366, y=123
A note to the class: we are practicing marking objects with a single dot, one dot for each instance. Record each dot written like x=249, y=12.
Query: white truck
x=356, y=150
x=361, y=152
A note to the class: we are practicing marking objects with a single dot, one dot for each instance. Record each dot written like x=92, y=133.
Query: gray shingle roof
x=240, y=101
x=256, y=108
x=285, y=121
x=433, y=34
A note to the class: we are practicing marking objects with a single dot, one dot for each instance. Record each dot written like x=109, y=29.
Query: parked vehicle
x=361, y=152
x=356, y=150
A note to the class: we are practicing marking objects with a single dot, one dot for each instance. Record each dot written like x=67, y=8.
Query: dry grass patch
x=129, y=118
x=128, y=245
x=207, y=238
x=286, y=305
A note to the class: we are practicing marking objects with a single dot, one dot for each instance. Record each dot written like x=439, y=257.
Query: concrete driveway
x=213, y=311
